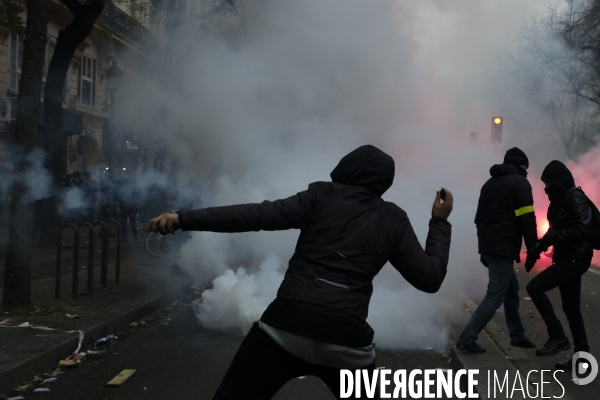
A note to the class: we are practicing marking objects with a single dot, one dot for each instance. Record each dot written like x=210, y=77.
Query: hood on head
x=558, y=174
x=366, y=166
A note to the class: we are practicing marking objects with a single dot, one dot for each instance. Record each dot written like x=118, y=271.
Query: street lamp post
x=114, y=77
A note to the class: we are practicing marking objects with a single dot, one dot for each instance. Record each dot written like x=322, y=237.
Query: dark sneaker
x=471, y=348
x=522, y=343
x=553, y=346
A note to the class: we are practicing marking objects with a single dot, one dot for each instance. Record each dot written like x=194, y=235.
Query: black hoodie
x=570, y=216
x=505, y=213
x=347, y=234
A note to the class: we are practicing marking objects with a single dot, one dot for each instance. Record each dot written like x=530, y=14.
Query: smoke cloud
x=313, y=81
x=272, y=98
x=37, y=179
x=318, y=80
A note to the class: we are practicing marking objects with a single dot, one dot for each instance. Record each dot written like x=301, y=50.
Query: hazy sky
x=459, y=39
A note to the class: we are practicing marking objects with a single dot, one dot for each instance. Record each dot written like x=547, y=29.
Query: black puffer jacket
x=505, y=213
x=347, y=234
x=570, y=221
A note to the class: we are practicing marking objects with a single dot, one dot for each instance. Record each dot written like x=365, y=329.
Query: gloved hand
x=537, y=249
x=530, y=261
x=533, y=254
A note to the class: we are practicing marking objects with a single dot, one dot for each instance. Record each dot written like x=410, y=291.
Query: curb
x=492, y=359
x=25, y=370
x=500, y=356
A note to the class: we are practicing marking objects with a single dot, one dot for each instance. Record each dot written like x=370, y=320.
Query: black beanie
x=558, y=174
x=516, y=156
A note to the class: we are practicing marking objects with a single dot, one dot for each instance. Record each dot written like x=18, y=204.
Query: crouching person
x=317, y=323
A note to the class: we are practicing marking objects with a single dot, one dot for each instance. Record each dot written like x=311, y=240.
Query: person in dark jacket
x=128, y=199
x=505, y=216
x=570, y=219
x=317, y=323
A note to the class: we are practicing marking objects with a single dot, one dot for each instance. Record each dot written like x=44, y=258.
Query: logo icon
x=582, y=363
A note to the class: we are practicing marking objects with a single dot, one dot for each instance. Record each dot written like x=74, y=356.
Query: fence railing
x=104, y=234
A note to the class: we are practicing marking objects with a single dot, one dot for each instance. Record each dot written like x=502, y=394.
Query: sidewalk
x=146, y=284
x=500, y=360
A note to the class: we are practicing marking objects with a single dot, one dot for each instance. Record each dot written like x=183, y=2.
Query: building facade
x=109, y=130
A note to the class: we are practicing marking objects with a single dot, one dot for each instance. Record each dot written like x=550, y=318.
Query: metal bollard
x=118, y=261
x=104, y=255
x=75, y=260
x=92, y=237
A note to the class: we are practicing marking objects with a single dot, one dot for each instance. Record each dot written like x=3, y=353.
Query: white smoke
x=35, y=177
x=239, y=298
x=307, y=82
x=73, y=204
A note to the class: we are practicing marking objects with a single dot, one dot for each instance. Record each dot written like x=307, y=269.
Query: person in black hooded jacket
x=570, y=219
x=317, y=323
x=504, y=217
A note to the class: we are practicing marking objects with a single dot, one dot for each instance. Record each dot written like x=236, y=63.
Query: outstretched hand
x=165, y=223
x=442, y=208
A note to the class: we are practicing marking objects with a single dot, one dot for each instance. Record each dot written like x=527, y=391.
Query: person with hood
x=504, y=218
x=317, y=323
x=570, y=219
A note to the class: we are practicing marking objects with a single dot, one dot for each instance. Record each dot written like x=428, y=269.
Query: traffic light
x=497, y=129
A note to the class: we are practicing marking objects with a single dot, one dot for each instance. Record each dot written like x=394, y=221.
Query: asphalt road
x=178, y=359
x=536, y=329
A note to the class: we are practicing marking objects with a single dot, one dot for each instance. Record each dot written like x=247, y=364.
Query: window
x=49, y=54
x=16, y=60
x=87, y=81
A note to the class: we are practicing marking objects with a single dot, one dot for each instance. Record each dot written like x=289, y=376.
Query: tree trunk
x=17, y=271
x=55, y=139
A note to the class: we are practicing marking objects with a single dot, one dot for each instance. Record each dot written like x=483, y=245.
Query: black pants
x=566, y=275
x=261, y=367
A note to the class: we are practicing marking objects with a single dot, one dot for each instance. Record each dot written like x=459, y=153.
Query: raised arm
x=269, y=216
x=426, y=269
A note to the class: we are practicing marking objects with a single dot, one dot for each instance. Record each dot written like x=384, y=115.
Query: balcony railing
x=129, y=29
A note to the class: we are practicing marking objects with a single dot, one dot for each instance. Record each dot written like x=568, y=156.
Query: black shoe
x=522, y=343
x=471, y=348
x=565, y=365
x=553, y=346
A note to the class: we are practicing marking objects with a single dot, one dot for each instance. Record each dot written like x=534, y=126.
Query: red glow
x=542, y=225
x=586, y=175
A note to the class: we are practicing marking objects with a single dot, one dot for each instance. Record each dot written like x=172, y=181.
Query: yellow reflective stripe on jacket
x=524, y=210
